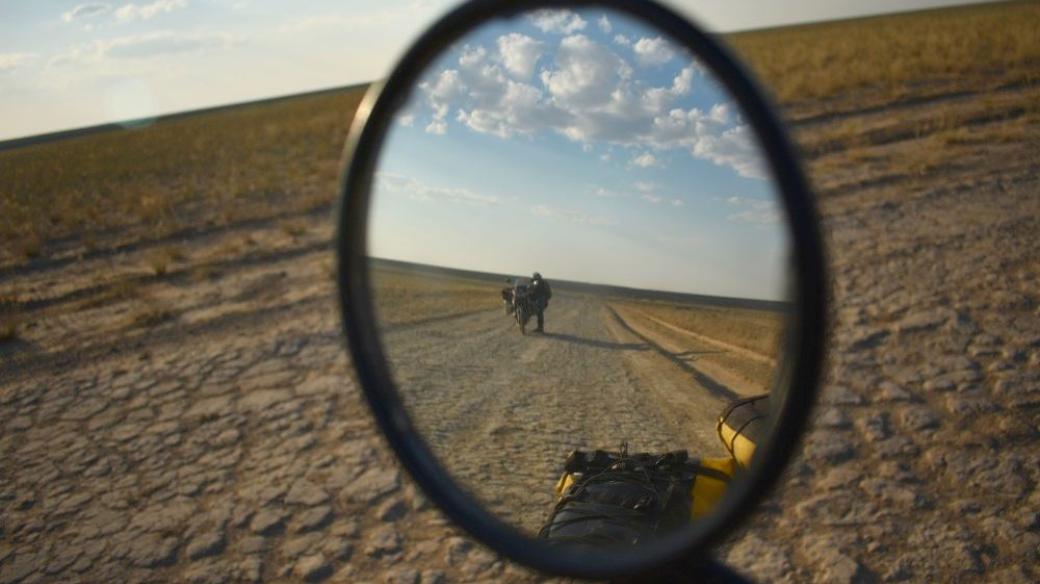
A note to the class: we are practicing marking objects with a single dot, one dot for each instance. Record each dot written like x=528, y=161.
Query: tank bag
x=608, y=498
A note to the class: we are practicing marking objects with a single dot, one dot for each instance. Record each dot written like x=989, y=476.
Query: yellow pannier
x=742, y=426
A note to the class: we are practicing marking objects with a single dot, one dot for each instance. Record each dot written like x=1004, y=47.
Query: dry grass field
x=757, y=331
x=174, y=396
x=276, y=158
x=216, y=168
x=738, y=346
x=969, y=48
x=406, y=298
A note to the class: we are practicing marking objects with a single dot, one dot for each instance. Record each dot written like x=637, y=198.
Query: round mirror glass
x=580, y=268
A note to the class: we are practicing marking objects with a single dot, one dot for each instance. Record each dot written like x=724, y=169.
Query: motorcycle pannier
x=743, y=426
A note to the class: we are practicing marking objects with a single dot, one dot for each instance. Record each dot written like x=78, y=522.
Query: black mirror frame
x=800, y=370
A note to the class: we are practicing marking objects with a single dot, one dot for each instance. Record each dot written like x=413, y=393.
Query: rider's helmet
x=536, y=276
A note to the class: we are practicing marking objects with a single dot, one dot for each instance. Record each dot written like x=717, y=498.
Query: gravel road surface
x=503, y=410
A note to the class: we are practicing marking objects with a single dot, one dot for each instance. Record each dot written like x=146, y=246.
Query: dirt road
x=503, y=410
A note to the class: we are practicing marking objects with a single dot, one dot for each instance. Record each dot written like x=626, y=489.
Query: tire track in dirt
x=715, y=342
x=901, y=106
x=68, y=250
x=684, y=357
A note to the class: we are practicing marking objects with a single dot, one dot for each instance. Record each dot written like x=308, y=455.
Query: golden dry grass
x=159, y=260
x=755, y=330
x=894, y=55
x=294, y=228
x=151, y=313
x=205, y=272
x=1003, y=117
x=402, y=297
x=282, y=157
x=117, y=288
x=221, y=166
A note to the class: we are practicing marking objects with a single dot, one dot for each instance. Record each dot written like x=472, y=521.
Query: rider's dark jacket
x=540, y=291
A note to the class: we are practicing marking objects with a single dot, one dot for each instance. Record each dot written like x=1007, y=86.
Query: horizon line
x=565, y=281
x=76, y=131
x=137, y=123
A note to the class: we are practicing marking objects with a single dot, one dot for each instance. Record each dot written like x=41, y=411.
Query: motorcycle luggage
x=743, y=425
x=622, y=499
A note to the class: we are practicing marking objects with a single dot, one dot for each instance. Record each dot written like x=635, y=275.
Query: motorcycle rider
x=540, y=293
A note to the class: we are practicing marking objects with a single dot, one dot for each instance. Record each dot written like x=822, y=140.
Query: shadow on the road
x=713, y=386
x=597, y=344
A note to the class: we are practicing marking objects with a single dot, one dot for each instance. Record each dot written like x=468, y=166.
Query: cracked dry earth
x=201, y=426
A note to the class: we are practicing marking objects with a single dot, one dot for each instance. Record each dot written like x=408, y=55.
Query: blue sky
x=73, y=63
x=584, y=146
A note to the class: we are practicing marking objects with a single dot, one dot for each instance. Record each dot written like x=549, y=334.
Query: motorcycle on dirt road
x=523, y=308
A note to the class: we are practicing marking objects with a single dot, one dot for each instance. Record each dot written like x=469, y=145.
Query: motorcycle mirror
x=621, y=152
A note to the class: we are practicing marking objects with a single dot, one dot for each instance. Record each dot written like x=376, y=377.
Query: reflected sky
x=585, y=146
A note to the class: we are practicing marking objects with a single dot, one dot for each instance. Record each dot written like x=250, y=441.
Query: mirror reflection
x=580, y=271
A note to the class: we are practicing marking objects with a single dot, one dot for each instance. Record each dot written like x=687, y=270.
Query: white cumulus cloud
x=653, y=51
x=519, y=109
x=604, y=24
x=519, y=54
x=418, y=190
x=756, y=211
x=588, y=94
x=706, y=136
x=86, y=11
x=607, y=193
x=645, y=160
x=472, y=56
x=447, y=85
x=648, y=191
x=571, y=216
x=585, y=73
x=439, y=93
x=131, y=12
x=437, y=126
x=734, y=147
x=557, y=21
x=658, y=98
x=719, y=113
